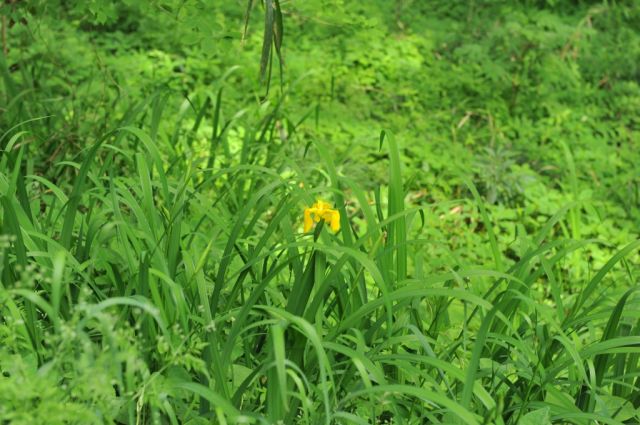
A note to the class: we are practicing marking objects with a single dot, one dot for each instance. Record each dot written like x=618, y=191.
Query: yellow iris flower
x=321, y=211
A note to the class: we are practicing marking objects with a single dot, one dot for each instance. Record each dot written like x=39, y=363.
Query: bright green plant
x=154, y=265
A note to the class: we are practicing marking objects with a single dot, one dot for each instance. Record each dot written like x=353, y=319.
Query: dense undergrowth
x=153, y=263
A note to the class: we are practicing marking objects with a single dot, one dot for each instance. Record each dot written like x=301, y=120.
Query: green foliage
x=153, y=267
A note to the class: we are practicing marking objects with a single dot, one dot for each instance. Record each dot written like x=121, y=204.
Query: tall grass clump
x=160, y=285
x=155, y=266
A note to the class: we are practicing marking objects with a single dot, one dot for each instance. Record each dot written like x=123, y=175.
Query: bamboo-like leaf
x=267, y=38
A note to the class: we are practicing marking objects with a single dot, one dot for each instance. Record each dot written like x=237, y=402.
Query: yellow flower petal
x=335, y=221
x=308, y=221
x=321, y=211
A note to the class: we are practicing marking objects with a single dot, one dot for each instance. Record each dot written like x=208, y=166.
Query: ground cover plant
x=396, y=212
